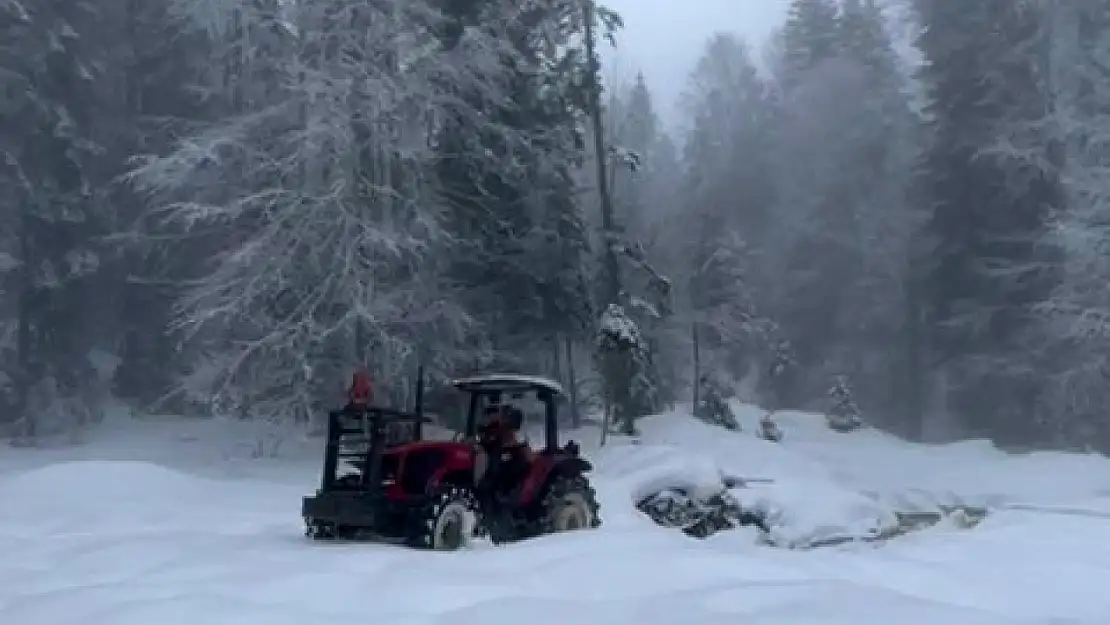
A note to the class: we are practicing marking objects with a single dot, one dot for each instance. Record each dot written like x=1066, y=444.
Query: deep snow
x=158, y=523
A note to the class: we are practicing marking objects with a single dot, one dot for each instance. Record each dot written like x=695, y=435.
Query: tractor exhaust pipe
x=418, y=408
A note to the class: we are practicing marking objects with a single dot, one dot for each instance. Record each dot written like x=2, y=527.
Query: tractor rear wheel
x=446, y=522
x=569, y=504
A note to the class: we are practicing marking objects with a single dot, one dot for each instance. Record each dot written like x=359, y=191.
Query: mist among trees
x=224, y=207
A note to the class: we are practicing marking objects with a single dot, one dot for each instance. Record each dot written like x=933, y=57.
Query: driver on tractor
x=509, y=458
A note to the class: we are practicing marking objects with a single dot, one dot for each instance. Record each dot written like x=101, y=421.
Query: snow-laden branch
x=326, y=197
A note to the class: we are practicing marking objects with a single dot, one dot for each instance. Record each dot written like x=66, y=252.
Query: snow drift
x=110, y=542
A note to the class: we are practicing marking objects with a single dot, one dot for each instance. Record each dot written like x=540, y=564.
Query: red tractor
x=395, y=486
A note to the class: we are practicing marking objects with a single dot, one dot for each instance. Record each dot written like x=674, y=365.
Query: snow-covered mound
x=975, y=470
x=114, y=536
x=802, y=504
x=824, y=484
x=121, y=496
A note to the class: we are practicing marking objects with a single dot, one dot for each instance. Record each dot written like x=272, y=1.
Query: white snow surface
x=166, y=522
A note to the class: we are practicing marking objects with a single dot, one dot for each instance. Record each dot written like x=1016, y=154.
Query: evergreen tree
x=622, y=354
x=810, y=36
x=728, y=192
x=520, y=233
x=841, y=224
x=50, y=63
x=634, y=132
x=1078, y=313
x=863, y=36
x=782, y=376
x=639, y=157
x=987, y=201
x=164, y=75
x=843, y=414
x=769, y=430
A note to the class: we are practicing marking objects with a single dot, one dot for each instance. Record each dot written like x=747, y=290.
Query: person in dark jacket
x=361, y=392
x=509, y=458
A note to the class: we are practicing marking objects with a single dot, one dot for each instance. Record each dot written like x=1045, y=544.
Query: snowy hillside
x=164, y=526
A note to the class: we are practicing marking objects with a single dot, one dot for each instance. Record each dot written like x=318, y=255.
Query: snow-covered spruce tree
x=634, y=130
x=637, y=156
x=521, y=236
x=321, y=184
x=1078, y=313
x=768, y=429
x=54, y=215
x=622, y=354
x=878, y=311
x=159, y=77
x=836, y=244
x=843, y=414
x=726, y=193
x=730, y=332
x=987, y=199
x=780, y=388
x=632, y=382
x=712, y=404
x=809, y=37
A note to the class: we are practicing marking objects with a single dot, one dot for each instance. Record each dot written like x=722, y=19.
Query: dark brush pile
x=698, y=516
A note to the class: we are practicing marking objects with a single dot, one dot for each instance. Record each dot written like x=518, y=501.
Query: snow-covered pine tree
x=712, y=405
x=768, y=429
x=323, y=183
x=809, y=36
x=727, y=193
x=1078, y=313
x=843, y=414
x=637, y=140
x=987, y=199
x=840, y=230
x=520, y=242
x=876, y=311
x=50, y=59
x=781, y=378
x=634, y=130
x=164, y=62
x=622, y=354
x=626, y=366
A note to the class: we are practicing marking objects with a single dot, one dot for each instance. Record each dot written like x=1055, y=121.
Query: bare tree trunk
x=915, y=377
x=572, y=383
x=612, y=276
x=608, y=225
x=23, y=412
x=605, y=420
x=556, y=359
x=697, y=363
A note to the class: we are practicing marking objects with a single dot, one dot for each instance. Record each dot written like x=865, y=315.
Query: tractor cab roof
x=508, y=382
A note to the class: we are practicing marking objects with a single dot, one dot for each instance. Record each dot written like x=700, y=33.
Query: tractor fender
x=546, y=469
x=570, y=467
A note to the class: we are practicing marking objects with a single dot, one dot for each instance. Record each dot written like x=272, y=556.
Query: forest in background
x=223, y=207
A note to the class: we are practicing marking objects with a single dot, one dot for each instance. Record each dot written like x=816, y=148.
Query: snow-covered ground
x=159, y=524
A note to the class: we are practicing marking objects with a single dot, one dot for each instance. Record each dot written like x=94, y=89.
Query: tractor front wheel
x=446, y=522
x=570, y=504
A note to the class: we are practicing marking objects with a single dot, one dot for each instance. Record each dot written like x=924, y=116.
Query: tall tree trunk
x=572, y=383
x=915, y=379
x=23, y=412
x=556, y=359
x=697, y=363
x=608, y=221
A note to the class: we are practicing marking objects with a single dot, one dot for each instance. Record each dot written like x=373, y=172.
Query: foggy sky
x=663, y=38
